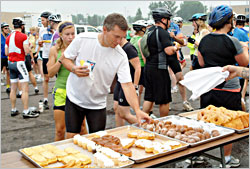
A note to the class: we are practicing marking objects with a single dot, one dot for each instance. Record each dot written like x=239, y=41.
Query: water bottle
x=41, y=106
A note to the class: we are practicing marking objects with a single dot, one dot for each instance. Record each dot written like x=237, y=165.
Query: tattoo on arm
x=245, y=73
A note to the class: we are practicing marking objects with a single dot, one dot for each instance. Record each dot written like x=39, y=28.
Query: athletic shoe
x=45, y=105
x=233, y=163
x=187, y=106
x=174, y=89
x=195, y=159
x=19, y=95
x=14, y=113
x=36, y=91
x=40, y=79
x=8, y=90
x=30, y=115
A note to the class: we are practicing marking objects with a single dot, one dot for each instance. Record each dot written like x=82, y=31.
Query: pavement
x=17, y=133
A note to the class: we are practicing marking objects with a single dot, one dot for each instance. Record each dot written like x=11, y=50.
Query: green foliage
x=94, y=20
x=138, y=15
x=188, y=8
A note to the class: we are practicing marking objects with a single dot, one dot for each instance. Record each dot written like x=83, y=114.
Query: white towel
x=203, y=80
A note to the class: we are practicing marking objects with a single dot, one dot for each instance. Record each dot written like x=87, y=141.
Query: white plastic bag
x=201, y=81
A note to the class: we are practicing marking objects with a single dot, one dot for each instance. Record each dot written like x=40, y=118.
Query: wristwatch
x=73, y=69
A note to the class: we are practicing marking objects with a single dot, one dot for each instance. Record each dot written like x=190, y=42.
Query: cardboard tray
x=193, y=115
x=64, y=144
x=139, y=155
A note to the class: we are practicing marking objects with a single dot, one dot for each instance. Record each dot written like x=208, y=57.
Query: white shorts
x=18, y=72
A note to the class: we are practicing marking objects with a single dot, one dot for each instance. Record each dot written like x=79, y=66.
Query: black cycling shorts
x=174, y=63
x=142, y=80
x=74, y=117
x=28, y=62
x=35, y=58
x=4, y=63
x=218, y=98
x=119, y=95
x=45, y=70
x=157, y=85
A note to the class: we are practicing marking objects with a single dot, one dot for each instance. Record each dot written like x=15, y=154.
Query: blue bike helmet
x=220, y=15
x=197, y=16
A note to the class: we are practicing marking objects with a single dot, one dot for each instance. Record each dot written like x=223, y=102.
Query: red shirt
x=15, y=42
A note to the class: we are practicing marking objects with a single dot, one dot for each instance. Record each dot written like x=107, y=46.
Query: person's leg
x=45, y=84
x=124, y=113
x=173, y=78
x=40, y=67
x=243, y=93
x=147, y=106
x=118, y=120
x=59, y=117
x=96, y=119
x=140, y=93
x=74, y=116
x=25, y=95
x=13, y=94
x=164, y=109
x=7, y=79
x=84, y=129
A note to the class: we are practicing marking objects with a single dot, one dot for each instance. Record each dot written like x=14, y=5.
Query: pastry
x=145, y=135
x=133, y=133
x=83, y=158
x=70, y=150
x=51, y=158
x=59, y=153
x=127, y=143
x=123, y=160
x=28, y=151
x=39, y=159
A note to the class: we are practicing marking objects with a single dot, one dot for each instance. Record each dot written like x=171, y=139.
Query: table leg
x=223, y=162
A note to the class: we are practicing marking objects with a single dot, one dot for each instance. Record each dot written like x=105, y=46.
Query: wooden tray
x=139, y=155
x=64, y=144
x=193, y=115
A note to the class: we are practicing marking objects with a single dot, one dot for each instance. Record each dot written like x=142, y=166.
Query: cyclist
x=4, y=59
x=45, y=36
x=54, y=20
x=227, y=51
x=17, y=46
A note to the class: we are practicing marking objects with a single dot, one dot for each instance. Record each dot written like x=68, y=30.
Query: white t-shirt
x=84, y=91
x=45, y=36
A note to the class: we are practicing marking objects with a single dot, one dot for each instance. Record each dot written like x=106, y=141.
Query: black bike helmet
x=160, y=13
x=45, y=14
x=55, y=18
x=241, y=17
x=18, y=22
x=4, y=24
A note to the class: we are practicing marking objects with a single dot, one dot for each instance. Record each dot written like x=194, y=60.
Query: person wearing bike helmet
x=198, y=22
x=239, y=32
x=54, y=20
x=227, y=51
x=176, y=76
x=45, y=36
x=4, y=59
x=140, y=28
x=17, y=46
x=157, y=80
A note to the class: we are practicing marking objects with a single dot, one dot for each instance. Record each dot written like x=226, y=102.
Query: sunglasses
x=6, y=28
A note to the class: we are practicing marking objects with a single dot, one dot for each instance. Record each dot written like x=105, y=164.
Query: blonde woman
x=202, y=29
x=67, y=34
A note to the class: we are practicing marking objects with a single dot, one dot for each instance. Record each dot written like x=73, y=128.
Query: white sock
x=227, y=159
x=36, y=87
x=45, y=99
x=14, y=109
x=20, y=92
x=26, y=111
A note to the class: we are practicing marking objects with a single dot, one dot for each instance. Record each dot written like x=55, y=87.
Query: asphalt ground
x=17, y=133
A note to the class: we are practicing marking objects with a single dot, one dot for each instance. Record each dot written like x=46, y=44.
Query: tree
x=171, y=6
x=138, y=15
x=188, y=8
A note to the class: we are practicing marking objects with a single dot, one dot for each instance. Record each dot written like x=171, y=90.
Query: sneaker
x=151, y=114
x=40, y=79
x=187, y=106
x=45, y=105
x=233, y=163
x=8, y=90
x=31, y=114
x=36, y=91
x=14, y=113
x=19, y=95
x=174, y=89
x=195, y=159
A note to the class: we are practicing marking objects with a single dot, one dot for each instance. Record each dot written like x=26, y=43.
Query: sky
x=127, y=8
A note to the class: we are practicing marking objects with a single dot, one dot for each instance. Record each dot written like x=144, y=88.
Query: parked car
x=84, y=28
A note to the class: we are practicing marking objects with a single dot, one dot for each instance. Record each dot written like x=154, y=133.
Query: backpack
x=143, y=43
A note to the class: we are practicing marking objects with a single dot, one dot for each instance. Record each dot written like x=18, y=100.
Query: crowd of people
x=86, y=65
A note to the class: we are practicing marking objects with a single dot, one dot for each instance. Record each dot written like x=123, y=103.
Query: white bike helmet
x=138, y=25
x=55, y=18
x=177, y=20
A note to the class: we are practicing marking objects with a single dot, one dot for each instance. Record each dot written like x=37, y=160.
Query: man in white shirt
x=88, y=85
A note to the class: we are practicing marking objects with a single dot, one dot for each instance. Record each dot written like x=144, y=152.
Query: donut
x=178, y=136
x=167, y=122
x=190, y=140
x=207, y=135
x=215, y=133
x=156, y=122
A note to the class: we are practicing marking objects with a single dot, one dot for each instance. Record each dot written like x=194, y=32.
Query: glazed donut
x=167, y=122
x=207, y=135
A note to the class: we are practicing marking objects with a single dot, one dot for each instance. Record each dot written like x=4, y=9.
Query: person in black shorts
x=121, y=106
x=157, y=79
x=227, y=51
